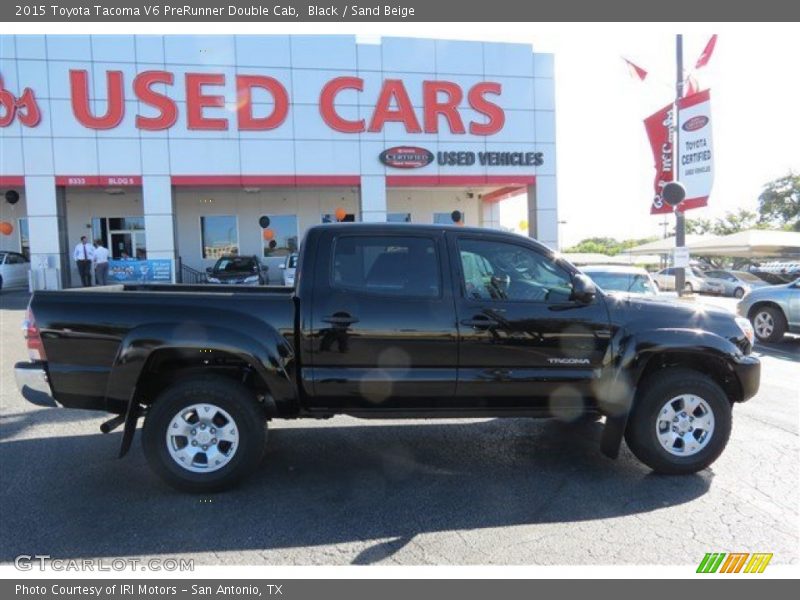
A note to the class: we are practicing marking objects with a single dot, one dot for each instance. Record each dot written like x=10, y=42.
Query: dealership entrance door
x=123, y=236
x=113, y=215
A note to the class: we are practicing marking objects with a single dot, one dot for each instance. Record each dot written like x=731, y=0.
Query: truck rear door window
x=388, y=265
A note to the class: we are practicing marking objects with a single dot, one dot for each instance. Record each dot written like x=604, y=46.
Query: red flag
x=658, y=127
x=707, y=52
x=635, y=70
x=692, y=86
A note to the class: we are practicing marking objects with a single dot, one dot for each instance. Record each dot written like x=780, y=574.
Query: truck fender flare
x=269, y=354
x=634, y=353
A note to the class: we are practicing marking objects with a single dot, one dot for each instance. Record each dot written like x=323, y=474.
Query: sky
x=604, y=163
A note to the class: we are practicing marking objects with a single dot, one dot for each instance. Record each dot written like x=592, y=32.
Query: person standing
x=100, y=263
x=83, y=256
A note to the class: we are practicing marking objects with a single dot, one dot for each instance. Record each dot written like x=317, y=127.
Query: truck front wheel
x=680, y=422
x=204, y=434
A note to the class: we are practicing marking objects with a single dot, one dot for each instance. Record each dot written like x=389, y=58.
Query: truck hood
x=654, y=312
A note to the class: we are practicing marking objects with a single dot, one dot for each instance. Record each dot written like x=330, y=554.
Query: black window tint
x=501, y=271
x=397, y=266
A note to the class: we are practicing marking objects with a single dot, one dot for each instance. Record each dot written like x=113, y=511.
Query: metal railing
x=187, y=274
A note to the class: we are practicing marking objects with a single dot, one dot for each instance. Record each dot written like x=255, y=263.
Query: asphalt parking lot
x=345, y=491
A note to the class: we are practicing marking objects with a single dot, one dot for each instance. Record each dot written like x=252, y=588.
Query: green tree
x=606, y=245
x=779, y=203
x=732, y=222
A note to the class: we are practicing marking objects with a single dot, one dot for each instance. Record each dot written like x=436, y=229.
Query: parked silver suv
x=772, y=310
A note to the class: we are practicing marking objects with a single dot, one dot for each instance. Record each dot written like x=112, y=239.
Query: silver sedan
x=735, y=283
x=773, y=310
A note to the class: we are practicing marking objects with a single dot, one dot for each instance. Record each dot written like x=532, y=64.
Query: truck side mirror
x=583, y=289
x=209, y=270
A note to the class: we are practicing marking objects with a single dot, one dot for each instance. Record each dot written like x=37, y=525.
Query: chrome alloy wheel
x=202, y=438
x=685, y=425
x=764, y=324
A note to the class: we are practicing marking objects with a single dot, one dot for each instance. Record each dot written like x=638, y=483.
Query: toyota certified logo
x=406, y=157
x=695, y=123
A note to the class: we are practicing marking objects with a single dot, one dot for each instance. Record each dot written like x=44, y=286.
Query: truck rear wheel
x=680, y=422
x=204, y=434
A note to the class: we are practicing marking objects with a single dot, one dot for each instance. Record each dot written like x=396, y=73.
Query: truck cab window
x=397, y=266
x=500, y=271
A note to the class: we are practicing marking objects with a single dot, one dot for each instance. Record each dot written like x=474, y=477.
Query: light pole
x=680, y=221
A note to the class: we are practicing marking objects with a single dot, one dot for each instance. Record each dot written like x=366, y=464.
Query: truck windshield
x=234, y=264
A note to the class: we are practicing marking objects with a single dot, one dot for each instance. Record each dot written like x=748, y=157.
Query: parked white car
x=289, y=268
x=622, y=278
x=14, y=269
x=695, y=281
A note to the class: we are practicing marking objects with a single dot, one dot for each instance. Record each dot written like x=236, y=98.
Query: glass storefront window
x=442, y=218
x=126, y=223
x=331, y=218
x=284, y=236
x=24, y=239
x=219, y=236
x=398, y=218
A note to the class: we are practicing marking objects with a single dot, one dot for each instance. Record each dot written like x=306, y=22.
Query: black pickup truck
x=390, y=321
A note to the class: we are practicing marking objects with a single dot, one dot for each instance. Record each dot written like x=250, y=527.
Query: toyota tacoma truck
x=389, y=321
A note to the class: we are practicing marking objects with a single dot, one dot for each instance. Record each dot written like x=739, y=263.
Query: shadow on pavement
x=69, y=497
x=13, y=424
x=786, y=349
x=14, y=299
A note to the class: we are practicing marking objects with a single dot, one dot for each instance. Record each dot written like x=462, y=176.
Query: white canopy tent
x=665, y=246
x=753, y=243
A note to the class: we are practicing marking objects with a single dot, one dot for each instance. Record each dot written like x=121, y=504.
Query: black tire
x=738, y=293
x=779, y=323
x=687, y=287
x=230, y=396
x=653, y=394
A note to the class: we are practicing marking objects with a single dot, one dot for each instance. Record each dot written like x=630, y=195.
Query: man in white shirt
x=83, y=256
x=100, y=263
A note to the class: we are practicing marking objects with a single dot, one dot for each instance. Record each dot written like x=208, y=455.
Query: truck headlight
x=747, y=329
x=212, y=280
x=251, y=279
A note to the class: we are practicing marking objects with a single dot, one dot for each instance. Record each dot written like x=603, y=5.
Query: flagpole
x=680, y=221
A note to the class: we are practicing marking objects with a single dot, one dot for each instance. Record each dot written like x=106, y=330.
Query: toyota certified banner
x=695, y=153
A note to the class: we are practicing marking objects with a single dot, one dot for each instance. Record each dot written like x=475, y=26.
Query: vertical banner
x=695, y=152
x=659, y=131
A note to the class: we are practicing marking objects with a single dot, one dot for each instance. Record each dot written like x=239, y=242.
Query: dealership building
x=171, y=148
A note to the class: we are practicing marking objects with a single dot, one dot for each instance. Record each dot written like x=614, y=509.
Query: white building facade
x=172, y=148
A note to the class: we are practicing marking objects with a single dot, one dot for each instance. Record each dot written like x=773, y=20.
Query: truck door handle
x=340, y=319
x=479, y=321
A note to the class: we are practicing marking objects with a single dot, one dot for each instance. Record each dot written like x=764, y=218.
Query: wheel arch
x=258, y=348
x=649, y=352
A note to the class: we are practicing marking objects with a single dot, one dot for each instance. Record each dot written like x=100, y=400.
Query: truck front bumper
x=748, y=372
x=33, y=384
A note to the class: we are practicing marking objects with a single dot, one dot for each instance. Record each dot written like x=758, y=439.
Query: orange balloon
x=340, y=214
x=268, y=234
x=6, y=228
